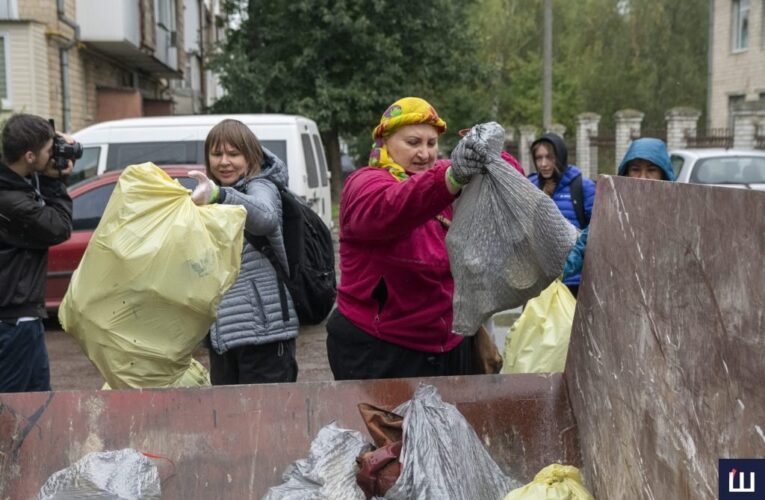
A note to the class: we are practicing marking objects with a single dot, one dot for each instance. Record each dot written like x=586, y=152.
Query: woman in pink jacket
x=394, y=301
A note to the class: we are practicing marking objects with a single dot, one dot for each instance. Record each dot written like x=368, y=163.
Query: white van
x=179, y=140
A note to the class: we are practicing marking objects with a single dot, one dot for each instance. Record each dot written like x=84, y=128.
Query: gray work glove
x=470, y=157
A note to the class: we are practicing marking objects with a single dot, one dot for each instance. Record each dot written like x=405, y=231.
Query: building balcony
x=114, y=29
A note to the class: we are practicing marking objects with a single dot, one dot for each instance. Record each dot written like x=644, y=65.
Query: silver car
x=720, y=167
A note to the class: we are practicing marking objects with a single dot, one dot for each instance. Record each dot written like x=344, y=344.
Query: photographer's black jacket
x=33, y=217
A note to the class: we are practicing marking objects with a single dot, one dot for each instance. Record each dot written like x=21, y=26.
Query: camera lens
x=76, y=150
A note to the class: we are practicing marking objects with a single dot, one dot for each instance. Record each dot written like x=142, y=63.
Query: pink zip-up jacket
x=395, y=281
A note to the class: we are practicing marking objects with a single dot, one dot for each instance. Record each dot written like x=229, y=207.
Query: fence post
x=586, y=156
x=528, y=134
x=509, y=135
x=682, y=123
x=744, y=129
x=558, y=128
x=627, y=126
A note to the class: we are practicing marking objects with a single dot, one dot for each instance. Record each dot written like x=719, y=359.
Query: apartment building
x=86, y=61
x=203, y=31
x=737, y=61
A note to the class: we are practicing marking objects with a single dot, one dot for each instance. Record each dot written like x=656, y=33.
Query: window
x=310, y=161
x=278, y=148
x=733, y=101
x=169, y=153
x=86, y=167
x=88, y=208
x=9, y=9
x=729, y=170
x=159, y=153
x=322, y=160
x=740, y=24
x=5, y=95
x=677, y=164
x=166, y=14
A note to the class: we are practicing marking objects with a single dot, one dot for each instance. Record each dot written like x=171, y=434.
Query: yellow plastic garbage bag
x=196, y=376
x=149, y=283
x=538, y=340
x=554, y=482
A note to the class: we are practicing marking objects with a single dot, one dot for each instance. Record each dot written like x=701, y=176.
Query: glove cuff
x=215, y=194
x=452, y=180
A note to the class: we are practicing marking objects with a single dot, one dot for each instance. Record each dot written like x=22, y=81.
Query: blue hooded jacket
x=649, y=149
x=652, y=150
x=564, y=174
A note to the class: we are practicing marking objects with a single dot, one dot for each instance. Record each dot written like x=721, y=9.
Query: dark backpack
x=577, y=199
x=310, y=257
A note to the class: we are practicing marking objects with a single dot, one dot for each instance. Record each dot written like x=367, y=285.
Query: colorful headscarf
x=406, y=111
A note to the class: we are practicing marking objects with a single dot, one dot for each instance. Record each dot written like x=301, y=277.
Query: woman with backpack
x=394, y=300
x=570, y=190
x=253, y=338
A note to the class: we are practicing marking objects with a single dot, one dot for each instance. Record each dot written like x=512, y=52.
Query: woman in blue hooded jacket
x=565, y=184
x=646, y=158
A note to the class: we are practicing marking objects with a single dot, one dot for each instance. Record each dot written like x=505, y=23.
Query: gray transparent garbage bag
x=442, y=456
x=508, y=241
x=328, y=473
x=108, y=475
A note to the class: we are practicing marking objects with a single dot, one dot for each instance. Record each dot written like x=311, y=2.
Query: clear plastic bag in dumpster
x=149, y=283
x=328, y=473
x=508, y=240
x=554, y=482
x=442, y=456
x=538, y=340
x=108, y=475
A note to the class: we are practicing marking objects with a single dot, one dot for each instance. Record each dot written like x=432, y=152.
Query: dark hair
x=22, y=133
x=238, y=135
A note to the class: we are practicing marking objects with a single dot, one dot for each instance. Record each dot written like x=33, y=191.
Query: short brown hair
x=24, y=132
x=237, y=135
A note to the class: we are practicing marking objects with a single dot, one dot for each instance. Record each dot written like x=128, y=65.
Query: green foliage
x=608, y=55
x=342, y=62
x=650, y=55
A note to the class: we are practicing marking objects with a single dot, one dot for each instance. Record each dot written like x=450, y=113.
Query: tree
x=341, y=62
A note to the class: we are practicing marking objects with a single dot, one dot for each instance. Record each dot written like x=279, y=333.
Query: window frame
x=10, y=10
x=80, y=223
x=5, y=101
x=738, y=44
x=311, y=167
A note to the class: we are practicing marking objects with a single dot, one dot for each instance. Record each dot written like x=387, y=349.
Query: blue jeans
x=23, y=357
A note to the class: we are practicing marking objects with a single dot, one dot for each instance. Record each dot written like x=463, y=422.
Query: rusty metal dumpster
x=662, y=377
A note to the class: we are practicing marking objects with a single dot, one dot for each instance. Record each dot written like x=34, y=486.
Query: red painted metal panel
x=235, y=442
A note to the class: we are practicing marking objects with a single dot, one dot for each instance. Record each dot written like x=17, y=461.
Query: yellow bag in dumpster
x=538, y=340
x=149, y=283
x=554, y=482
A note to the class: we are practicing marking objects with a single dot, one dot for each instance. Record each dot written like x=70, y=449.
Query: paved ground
x=72, y=370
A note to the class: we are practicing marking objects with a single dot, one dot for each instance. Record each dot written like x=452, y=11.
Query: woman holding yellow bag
x=253, y=339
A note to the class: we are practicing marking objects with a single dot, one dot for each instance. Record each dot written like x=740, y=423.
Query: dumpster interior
x=662, y=377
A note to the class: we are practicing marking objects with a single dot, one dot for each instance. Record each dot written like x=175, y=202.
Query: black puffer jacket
x=33, y=217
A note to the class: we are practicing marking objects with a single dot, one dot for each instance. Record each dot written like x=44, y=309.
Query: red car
x=89, y=201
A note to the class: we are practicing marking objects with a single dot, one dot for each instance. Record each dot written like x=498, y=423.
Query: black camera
x=63, y=151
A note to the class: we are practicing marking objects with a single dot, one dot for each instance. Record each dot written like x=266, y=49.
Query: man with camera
x=35, y=213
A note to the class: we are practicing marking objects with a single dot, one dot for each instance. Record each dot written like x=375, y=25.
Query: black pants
x=255, y=364
x=354, y=354
x=23, y=357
